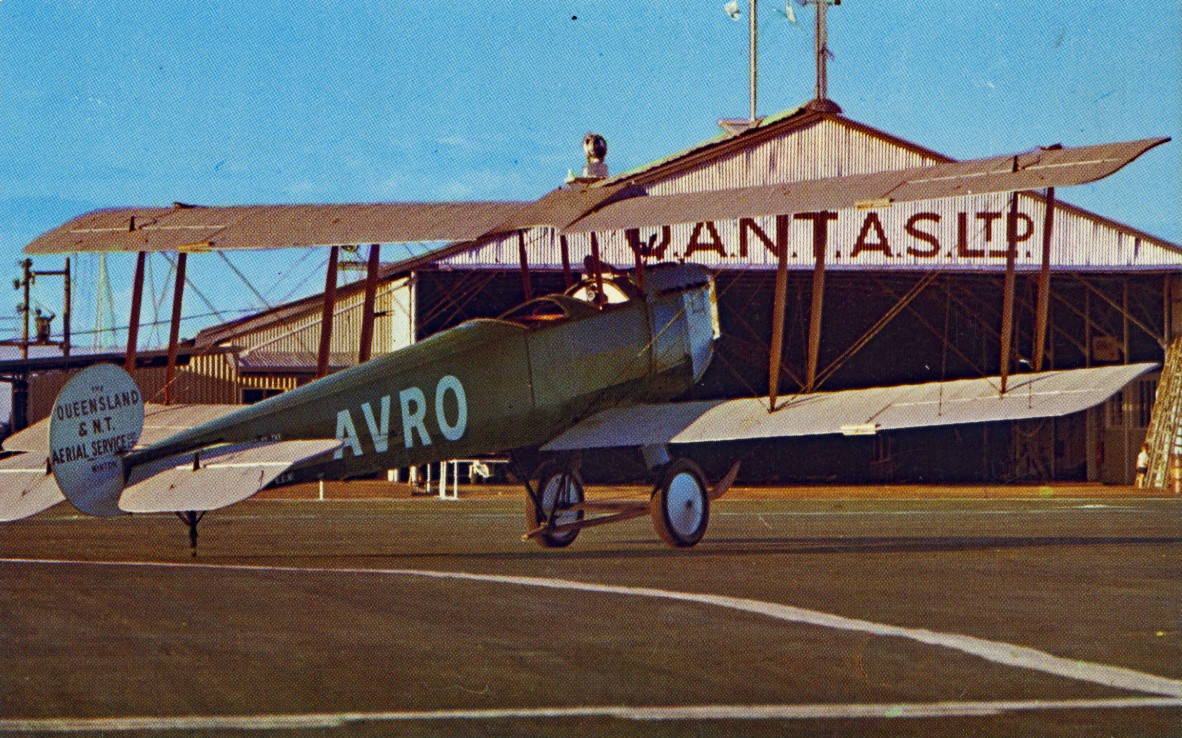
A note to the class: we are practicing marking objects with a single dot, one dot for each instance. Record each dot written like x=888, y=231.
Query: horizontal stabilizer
x=224, y=475
x=853, y=412
x=26, y=487
x=160, y=422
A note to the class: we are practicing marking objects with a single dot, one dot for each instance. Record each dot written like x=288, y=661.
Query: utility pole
x=821, y=48
x=20, y=383
x=754, y=49
x=27, y=279
x=23, y=283
x=738, y=125
x=64, y=273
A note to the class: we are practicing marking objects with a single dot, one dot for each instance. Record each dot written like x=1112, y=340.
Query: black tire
x=554, y=481
x=680, y=506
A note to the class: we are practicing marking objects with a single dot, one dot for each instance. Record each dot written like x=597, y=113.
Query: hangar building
x=880, y=294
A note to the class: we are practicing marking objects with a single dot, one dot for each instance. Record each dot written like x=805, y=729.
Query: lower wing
x=852, y=412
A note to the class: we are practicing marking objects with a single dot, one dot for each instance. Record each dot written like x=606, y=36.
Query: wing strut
x=133, y=325
x=1007, y=304
x=330, y=297
x=779, y=307
x=174, y=328
x=1043, y=303
x=820, y=227
x=526, y=285
x=365, y=350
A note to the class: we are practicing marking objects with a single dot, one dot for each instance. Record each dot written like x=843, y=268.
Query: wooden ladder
x=1166, y=420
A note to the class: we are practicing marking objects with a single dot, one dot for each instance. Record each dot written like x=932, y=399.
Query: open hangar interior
x=880, y=294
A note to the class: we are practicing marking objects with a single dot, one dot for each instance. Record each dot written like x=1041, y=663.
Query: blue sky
x=218, y=102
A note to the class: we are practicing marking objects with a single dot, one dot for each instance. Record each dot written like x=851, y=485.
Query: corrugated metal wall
x=393, y=326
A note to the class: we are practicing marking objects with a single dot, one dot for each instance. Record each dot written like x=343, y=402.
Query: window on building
x=1146, y=394
x=1114, y=411
x=251, y=395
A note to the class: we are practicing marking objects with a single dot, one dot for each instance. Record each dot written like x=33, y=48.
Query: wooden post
x=1043, y=301
x=365, y=350
x=1124, y=311
x=1087, y=316
x=330, y=298
x=818, y=296
x=174, y=326
x=597, y=267
x=526, y=287
x=67, y=299
x=133, y=325
x=633, y=237
x=1007, y=298
x=779, y=307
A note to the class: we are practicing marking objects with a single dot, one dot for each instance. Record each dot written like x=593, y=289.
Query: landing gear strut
x=548, y=508
x=191, y=519
x=679, y=504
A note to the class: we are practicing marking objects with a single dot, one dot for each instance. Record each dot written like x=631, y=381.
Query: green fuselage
x=487, y=385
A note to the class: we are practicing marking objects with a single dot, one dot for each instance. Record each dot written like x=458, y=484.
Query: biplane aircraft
x=597, y=366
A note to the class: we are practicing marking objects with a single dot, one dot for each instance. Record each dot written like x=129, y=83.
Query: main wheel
x=559, y=490
x=680, y=506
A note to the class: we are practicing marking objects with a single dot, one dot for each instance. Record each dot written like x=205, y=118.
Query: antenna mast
x=754, y=32
x=821, y=44
x=821, y=101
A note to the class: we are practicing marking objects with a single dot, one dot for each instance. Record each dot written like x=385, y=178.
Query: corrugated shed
x=299, y=331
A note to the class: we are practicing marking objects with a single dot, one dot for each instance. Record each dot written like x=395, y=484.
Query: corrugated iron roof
x=154, y=358
x=289, y=362
x=959, y=402
x=721, y=145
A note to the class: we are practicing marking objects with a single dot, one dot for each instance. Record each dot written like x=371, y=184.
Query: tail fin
x=97, y=417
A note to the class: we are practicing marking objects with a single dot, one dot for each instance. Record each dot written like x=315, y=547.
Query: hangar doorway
x=1122, y=424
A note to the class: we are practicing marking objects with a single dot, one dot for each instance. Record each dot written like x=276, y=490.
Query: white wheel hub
x=559, y=494
x=684, y=508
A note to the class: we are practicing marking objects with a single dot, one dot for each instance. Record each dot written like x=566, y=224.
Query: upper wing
x=1042, y=395
x=613, y=206
x=199, y=228
x=1015, y=172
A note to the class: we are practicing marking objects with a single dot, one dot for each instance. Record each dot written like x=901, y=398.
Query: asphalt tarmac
x=836, y=616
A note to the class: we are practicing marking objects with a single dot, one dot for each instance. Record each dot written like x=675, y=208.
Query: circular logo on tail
x=97, y=416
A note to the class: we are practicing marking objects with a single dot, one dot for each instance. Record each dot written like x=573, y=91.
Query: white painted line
x=618, y=712
x=998, y=652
